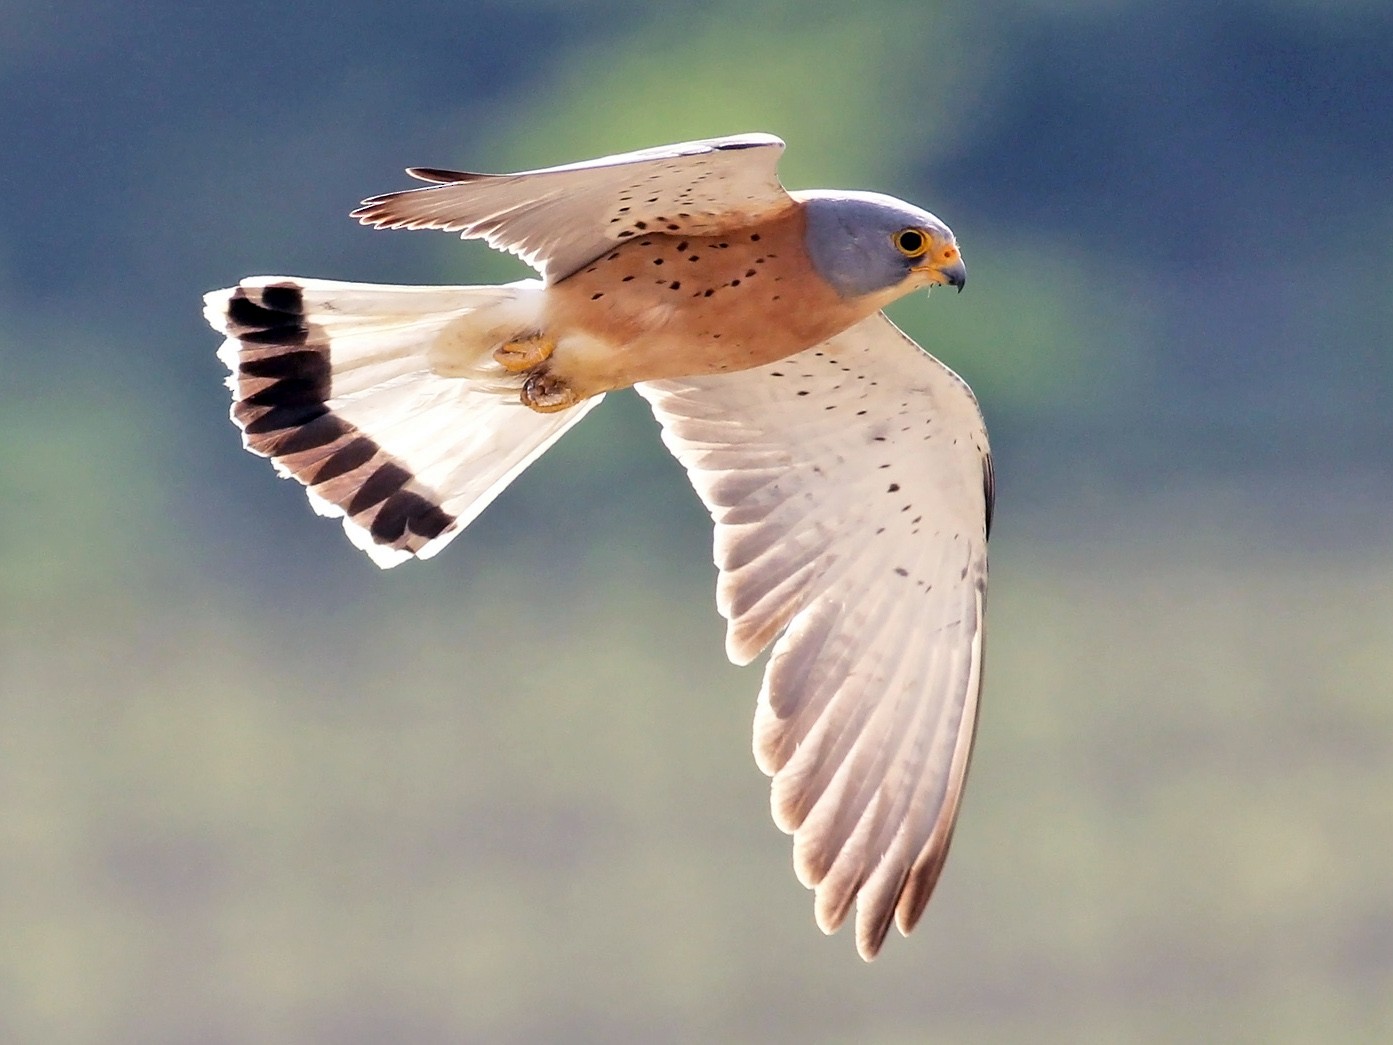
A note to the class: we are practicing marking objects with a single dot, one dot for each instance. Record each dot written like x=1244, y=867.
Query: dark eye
x=911, y=242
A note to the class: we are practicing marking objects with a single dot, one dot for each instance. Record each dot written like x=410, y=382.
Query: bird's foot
x=524, y=354
x=547, y=393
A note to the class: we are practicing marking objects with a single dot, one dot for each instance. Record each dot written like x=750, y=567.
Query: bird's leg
x=546, y=393
x=525, y=353
x=542, y=390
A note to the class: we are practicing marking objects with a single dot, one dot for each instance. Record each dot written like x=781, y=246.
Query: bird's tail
x=384, y=402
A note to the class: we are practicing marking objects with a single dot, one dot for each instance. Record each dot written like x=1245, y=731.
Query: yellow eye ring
x=912, y=243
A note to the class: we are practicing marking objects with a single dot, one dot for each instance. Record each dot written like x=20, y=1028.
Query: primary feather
x=849, y=488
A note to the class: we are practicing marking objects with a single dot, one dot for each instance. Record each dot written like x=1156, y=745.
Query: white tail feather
x=341, y=386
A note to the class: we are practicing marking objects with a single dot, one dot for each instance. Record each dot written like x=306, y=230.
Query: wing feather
x=853, y=520
x=560, y=218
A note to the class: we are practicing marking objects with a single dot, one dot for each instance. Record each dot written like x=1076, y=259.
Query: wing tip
x=741, y=648
x=442, y=176
x=376, y=210
x=750, y=140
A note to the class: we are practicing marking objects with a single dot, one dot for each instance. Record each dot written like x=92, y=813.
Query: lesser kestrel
x=847, y=471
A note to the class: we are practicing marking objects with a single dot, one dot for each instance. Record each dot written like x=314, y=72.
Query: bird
x=846, y=470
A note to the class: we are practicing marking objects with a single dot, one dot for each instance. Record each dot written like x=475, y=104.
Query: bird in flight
x=846, y=470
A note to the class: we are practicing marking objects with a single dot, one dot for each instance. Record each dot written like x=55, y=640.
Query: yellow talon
x=525, y=353
x=548, y=394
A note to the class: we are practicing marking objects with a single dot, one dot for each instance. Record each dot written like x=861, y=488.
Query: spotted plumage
x=847, y=472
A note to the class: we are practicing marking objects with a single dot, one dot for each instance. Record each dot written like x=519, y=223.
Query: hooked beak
x=949, y=273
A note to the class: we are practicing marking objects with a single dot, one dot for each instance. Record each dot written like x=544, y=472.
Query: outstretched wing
x=851, y=488
x=560, y=218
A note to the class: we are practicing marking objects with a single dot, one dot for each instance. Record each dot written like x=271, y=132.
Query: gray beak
x=955, y=275
x=948, y=274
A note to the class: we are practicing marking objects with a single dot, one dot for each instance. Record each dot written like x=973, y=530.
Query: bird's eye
x=911, y=242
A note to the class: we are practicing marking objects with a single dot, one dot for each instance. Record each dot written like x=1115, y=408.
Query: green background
x=253, y=789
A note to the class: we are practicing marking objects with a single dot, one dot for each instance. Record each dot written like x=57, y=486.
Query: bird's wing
x=560, y=218
x=851, y=488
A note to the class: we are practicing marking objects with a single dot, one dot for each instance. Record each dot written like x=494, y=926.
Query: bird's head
x=863, y=243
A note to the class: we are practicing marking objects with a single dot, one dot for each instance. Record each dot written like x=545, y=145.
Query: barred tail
x=341, y=386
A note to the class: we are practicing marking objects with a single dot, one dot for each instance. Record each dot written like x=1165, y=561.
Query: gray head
x=865, y=243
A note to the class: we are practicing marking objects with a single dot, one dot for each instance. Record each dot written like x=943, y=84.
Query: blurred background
x=252, y=789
